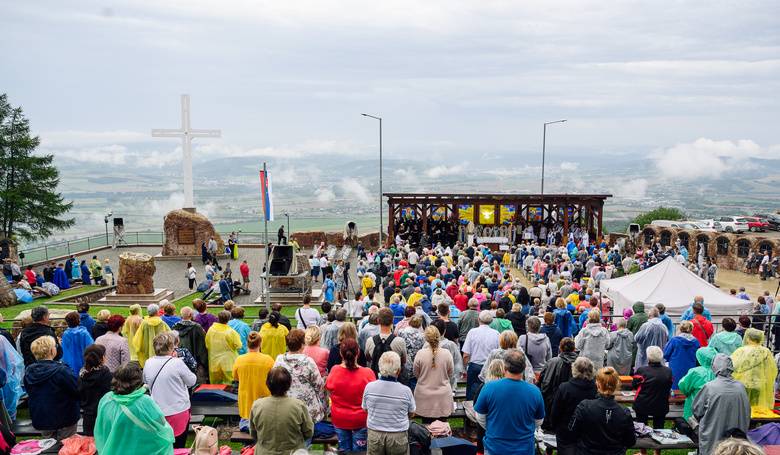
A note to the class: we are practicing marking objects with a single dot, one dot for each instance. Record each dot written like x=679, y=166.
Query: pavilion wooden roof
x=472, y=197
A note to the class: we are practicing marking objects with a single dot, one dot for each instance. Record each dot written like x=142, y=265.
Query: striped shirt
x=388, y=404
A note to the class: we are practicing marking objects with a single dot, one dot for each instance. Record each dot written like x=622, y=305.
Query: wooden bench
x=244, y=438
x=24, y=427
x=215, y=409
x=644, y=443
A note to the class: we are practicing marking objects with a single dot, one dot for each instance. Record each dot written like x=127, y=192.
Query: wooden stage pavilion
x=504, y=212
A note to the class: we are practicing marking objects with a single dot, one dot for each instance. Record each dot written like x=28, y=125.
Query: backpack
x=380, y=347
x=206, y=440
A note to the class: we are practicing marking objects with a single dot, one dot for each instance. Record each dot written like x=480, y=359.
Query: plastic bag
x=78, y=445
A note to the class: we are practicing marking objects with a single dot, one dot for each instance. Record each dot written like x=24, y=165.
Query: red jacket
x=244, y=268
x=461, y=302
x=702, y=329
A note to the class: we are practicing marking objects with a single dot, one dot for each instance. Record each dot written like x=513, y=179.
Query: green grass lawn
x=10, y=313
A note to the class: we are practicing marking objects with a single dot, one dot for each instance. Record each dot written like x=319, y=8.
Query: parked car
x=705, y=225
x=772, y=218
x=756, y=224
x=732, y=224
x=674, y=224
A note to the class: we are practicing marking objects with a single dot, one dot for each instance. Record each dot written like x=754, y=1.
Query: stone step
x=142, y=299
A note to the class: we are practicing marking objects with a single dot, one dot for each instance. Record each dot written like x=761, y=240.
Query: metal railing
x=64, y=248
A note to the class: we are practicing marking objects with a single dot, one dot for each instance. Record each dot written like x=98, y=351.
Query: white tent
x=673, y=285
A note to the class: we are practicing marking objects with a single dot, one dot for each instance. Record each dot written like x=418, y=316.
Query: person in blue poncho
x=665, y=319
x=60, y=278
x=225, y=290
x=85, y=274
x=688, y=314
x=563, y=318
x=329, y=288
x=75, y=270
x=75, y=339
x=86, y=320
x=12, y=369
x=680, y=352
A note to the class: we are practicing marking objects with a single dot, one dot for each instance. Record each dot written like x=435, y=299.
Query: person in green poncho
x=726, y=341
x=128, y=420
x=692, y=382
x=500, y=323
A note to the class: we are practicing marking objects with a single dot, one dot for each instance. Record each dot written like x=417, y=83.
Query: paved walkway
x=169, y=274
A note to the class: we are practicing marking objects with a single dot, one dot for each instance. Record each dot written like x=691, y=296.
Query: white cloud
x=353, y=189
x=325, y=195
x=708, y=158
x=444, y=171
x=568, y=166
x=630, y=189
x=306, y=148
x=74, y=139
x=526, y=170
x=117, y=155
x=160, y=207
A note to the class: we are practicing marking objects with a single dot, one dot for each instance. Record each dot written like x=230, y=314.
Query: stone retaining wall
x=309, y=239
x=730, y=251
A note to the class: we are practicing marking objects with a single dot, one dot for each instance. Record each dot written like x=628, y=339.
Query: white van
x=671, y=224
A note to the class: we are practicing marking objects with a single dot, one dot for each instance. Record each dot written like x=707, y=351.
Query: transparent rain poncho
x=12, y=365
x=223, y=344
x=755, y=367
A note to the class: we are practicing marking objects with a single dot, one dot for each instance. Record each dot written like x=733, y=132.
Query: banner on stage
x=535, y=213
x=266, y=196
x=438, y=213
x=465, y=213
x=507, y=215
x=487, y=214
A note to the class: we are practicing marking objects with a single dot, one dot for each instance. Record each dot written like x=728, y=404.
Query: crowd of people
x=547, y=355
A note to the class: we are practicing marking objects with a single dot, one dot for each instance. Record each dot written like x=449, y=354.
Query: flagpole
x=266, y=290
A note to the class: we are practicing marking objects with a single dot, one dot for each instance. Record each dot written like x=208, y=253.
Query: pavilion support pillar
x=601, y=220
x=589, y=224
x=565, y=222
x=390, y=223
x=424, y=211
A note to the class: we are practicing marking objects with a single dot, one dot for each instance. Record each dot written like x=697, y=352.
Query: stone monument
x=136, y=273
x=7, y=294
x=135, y=283
x=185, y=231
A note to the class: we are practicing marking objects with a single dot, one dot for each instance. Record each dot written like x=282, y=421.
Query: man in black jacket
x=39, y=327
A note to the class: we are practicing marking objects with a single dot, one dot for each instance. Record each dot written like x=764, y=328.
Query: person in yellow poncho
x=415, y=297
x=151, y=326
x=223, y=344
x=251, y=371
x=367, y=282
x=274, y=336
x=131, y=325
x=755, y=368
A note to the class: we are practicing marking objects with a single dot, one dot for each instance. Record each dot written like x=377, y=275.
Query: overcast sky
x=696, y=83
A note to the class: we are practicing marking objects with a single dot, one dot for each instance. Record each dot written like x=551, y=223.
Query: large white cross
x=186, y=134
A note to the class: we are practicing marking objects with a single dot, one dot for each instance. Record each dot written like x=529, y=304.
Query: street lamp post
x=544, y=143
x=288, y=227
x=381, y=208
x=105, y=220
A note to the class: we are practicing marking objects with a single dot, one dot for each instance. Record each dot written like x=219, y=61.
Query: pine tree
x=30, y=206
